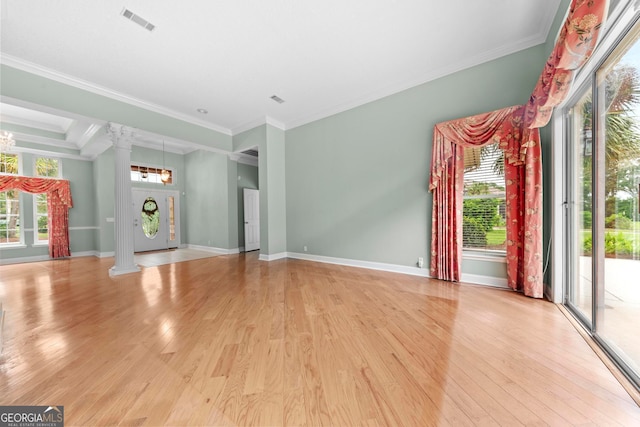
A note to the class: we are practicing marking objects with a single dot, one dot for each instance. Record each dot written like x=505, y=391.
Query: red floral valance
x=515, y=129
x=59, y=202
x=575, y=44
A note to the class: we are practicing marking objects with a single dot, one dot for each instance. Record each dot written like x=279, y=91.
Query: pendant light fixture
x=165, y=175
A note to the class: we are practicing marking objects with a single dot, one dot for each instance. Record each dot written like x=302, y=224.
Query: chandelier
x=6, y=141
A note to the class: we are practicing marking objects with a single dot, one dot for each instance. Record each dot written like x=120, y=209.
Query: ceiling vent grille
x=277, y=99
x=138, y=19
x=253, y=153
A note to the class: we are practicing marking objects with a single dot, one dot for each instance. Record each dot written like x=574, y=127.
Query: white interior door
x=155, y=220
x=251, y=219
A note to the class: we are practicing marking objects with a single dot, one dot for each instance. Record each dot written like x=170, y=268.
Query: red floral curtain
x=516, y=131
x=58, y=204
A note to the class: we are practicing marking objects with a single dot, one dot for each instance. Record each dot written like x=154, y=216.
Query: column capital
x=121, y=136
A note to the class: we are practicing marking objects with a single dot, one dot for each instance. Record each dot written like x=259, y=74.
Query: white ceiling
x=231, y=56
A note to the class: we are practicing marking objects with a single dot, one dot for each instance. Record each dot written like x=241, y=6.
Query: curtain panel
x=59, y=202
x=516, y=130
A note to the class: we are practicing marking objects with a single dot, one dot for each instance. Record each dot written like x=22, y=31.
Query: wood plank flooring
x=232, y=340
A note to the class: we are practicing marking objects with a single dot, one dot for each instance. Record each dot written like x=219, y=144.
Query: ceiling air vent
x=253, y=153
x=277, y=99
x=137, y=19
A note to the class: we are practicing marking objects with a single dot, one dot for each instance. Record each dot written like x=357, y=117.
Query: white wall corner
x=273, y=257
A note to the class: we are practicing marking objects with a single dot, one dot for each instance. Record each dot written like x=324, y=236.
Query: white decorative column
x=121, y=136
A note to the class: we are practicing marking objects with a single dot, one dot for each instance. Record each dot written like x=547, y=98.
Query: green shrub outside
x=618, y=221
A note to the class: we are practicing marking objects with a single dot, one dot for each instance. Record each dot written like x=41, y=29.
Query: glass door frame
x=621, y=21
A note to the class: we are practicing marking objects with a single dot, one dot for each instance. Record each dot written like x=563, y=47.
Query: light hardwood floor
x=232, y=340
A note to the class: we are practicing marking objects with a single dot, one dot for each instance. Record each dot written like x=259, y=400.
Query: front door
x=155, y=223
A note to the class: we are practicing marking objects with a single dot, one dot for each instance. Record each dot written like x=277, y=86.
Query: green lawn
x=497, y=236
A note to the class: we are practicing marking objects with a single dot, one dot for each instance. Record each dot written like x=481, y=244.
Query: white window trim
x=36, y=238
x=20, y=244
x=20, y=169
x=147, y=165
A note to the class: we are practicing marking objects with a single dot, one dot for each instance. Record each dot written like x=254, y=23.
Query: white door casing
x=251, y=219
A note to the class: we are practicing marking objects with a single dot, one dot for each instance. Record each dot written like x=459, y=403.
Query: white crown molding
x=46, y=109
x=59, y=77
x=244, y=159
x=267, y=120
x=89, y=133
x=464, y=64
x=43, y=140
x=47, y=153
x=7, y=118
x=275, y=123
x=248, y=126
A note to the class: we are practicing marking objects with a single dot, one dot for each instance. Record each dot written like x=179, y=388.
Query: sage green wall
x=247, y=178
x=81, y=216
x=253, y=138
x=104, y=191
x=357, y=182
x=207, y=199
x=232, y=203
x=270, y=142
x=272, y=167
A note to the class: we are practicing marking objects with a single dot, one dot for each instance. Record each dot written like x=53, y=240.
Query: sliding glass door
x=603, y=204
x=580, y=207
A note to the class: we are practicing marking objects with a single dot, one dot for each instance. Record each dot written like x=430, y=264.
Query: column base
x=117, y=271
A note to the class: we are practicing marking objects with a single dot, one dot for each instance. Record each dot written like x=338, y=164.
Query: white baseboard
x=394, y=268
x=38, y=258
x=20, y=260
x=241, y=249
x=83, y=254
x=274, y=257
x=105, y=254
x=478, y=279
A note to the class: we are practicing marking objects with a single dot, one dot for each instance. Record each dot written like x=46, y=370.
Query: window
x=41, y=216
x=149, y=174
x=484, y=201
x=9, y=204
x=47, y=167
x=9, y=164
